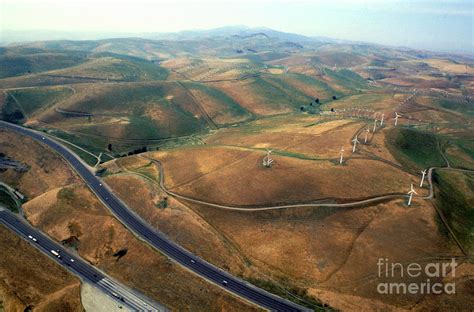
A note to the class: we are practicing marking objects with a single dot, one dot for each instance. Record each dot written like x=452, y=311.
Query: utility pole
x=342, y=154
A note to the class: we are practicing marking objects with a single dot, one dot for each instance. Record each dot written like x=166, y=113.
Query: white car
x=32, y=238
x=72, y=260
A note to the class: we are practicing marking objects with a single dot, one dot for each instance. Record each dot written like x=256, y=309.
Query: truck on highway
x=56, y=254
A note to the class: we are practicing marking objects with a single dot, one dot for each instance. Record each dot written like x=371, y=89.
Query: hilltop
x=178, y=126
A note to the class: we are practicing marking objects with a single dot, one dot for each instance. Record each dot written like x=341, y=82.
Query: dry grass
x=63, y=212
x=218, y=112
x=334, y=252
x=450, y=67
x=296, y=134
x=47, y=170
x=244, y=181
x=177, y=221
x=75, y=211
x=243, y=93
x=30, y=279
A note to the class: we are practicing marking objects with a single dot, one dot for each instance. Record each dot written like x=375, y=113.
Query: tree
x=334, y=97
x=109, y=147
x=317, y=100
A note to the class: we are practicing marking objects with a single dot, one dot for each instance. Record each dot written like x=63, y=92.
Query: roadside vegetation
x=7, y=201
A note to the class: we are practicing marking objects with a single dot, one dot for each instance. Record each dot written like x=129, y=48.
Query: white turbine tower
x=366, y=135
x=267, y=160
x=342, y=154
x=411, y=192
x=381, y=121
x=355, y=141
x=422, y=177
x=375, y=124
x=396, y=118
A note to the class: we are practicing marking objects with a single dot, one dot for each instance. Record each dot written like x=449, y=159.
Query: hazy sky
x=437, y=25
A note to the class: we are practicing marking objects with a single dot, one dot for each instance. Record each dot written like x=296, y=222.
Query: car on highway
x=32, y=238
x=224, y=282
x=56, y=253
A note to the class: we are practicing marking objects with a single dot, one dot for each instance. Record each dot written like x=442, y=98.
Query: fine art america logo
x=418, y=279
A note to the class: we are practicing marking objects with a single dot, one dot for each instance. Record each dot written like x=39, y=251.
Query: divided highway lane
x=76, y=265
x=158, y=239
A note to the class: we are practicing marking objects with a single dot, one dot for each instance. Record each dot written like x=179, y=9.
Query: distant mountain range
x=239, y=35
x=7, y=37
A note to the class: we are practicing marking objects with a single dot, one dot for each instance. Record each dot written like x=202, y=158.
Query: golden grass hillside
x=70, y=212
x=30, y=280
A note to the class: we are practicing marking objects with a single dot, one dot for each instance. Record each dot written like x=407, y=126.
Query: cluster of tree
x=312, y=107
x=163, y=203
x=137, y=151
x=15, y=117
x=101, y=172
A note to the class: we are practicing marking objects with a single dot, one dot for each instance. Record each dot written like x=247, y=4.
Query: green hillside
x=33, y=99
x=115, y=68
x=226, y=104
x=17, y=65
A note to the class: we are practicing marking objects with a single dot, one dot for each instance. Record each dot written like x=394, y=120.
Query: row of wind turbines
x=355, y=141
x=268, y=161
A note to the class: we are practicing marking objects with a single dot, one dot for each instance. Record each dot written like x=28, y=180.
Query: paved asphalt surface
x=76, y=265
x=158, y=239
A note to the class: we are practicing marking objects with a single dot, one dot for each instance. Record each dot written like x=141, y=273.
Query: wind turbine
x=422, y=177
x=411, y=192
x=267, y=160
x=355, y=141
x=366, y=134
x=396, y=118
x=342, y=154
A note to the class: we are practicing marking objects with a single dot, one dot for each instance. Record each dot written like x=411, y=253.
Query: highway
x=157, y=239
x=76, y=265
